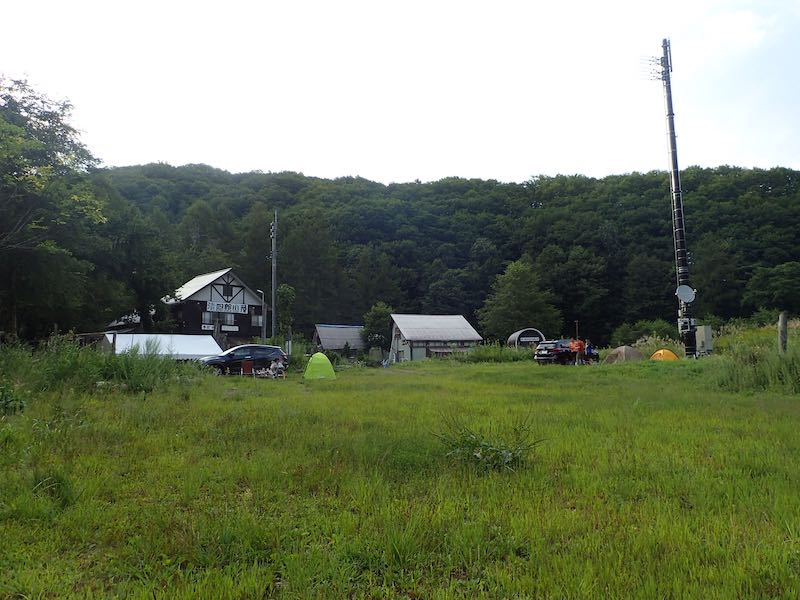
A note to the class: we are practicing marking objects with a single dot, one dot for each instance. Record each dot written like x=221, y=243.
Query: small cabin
x=416, y=337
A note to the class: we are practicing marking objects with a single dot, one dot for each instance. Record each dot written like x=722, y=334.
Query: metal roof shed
x=335, y=337
x=422, y=336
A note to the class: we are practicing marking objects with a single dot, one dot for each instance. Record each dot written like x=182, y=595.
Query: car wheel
x=218, y=370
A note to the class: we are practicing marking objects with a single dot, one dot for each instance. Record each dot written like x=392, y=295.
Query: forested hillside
x=88, y=245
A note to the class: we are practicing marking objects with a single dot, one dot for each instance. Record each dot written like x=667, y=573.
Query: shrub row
x=492, y=353
x=752, y=367
x=63, y=362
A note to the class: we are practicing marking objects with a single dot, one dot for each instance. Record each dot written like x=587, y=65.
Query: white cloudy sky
x=397, y=91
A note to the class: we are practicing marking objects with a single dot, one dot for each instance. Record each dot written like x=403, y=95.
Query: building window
x=256, y=320
x=224, y=318
x=227, y=292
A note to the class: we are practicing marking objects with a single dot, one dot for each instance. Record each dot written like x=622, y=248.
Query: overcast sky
x=398, y=91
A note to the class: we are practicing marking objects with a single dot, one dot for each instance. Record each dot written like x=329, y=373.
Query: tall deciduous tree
x=44, y=192
x=308, y=260
x=286, y=297
x=377, y=326
x=777, y=287
x=579, y=281
x=518, y=301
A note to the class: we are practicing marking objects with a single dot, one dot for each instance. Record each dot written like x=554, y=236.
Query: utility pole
x=273, y=233
x=263, y=317
x=687, y=325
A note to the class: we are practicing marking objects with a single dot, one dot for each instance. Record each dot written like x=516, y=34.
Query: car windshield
x=252, y=350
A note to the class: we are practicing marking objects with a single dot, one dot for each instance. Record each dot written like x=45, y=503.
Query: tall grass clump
x=492, y=353
x=754, y=367
x=144, y=370
x=301, y=352
x=650, y=343
x=491, y=451
x=62, y=362
x=12, y=400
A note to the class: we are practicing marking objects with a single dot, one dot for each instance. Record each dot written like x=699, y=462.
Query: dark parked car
x=557, y=352
x=554, y=352
x=230, y=361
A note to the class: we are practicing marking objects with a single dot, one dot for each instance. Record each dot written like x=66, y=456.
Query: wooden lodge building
x=218, y=304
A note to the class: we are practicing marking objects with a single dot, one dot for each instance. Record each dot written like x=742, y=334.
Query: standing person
x=589, y=351
x=573, y=349
x=580, y=347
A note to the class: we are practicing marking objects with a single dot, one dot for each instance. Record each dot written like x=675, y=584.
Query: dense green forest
x=82, y=245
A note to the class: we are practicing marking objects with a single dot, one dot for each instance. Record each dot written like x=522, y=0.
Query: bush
x=62, y=362
x=142, y=371
x=496, y=353
x=301, y=352
x=489, y=453
x=627, y=334
x=11, y=400
x=764, y=316
x=650, y=343
x=755, y=367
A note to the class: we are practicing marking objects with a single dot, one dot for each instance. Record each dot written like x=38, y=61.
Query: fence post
x=782, y=331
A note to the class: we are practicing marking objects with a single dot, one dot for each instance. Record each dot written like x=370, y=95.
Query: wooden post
x=782, y=332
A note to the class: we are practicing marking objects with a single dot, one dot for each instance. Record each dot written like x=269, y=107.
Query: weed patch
x=750, y=367
x=11, y=400
x=494, y=451
x=492, y=353
x=55, y=485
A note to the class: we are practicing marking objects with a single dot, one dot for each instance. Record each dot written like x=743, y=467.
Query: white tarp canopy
x=177, y=346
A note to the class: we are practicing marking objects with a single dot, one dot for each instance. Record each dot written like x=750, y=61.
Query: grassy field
x=651, y=482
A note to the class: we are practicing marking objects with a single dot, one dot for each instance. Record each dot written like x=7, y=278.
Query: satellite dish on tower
x=685, y=294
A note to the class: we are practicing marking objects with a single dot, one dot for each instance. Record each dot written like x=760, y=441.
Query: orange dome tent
x=664, y=354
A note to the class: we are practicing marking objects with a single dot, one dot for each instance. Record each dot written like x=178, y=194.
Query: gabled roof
x=194, y=285
x=334, y=337
x=436, y=328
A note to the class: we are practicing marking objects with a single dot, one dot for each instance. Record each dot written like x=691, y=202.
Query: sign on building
x=226, y=307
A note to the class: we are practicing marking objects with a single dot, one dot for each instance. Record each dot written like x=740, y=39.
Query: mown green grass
x=651, y=483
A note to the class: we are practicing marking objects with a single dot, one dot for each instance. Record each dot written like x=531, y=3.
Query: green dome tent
x=319, y=367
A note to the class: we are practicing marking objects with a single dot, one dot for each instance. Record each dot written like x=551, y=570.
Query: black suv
x=554, y=352
x=230, y=361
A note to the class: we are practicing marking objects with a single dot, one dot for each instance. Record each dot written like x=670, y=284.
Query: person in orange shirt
x=580, y=348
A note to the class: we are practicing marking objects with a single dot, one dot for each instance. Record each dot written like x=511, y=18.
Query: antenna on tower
x=687, y=325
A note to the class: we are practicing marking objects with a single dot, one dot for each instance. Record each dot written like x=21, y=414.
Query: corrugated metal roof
x=334, y=337
x=436, y=328
x=177, y=346
x=194, y=285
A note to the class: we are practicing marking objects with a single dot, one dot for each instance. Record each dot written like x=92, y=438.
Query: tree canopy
x=517, y=300
x=81, y=246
